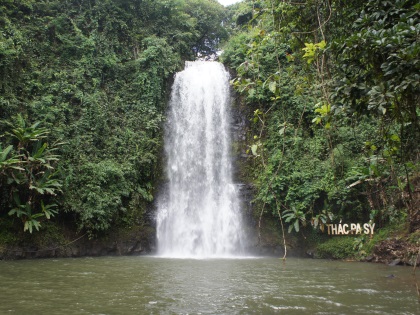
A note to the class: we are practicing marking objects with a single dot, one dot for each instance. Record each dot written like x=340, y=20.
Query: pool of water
x=152, y=285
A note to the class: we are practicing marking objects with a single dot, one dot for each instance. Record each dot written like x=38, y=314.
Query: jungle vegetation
x=83, y=90
x=332, y=88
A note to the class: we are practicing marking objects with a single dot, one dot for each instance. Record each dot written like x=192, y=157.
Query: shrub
x=336, y=248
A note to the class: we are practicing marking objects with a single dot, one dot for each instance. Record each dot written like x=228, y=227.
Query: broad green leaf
x=282, y=130
x=272, y=86
x=254, y=148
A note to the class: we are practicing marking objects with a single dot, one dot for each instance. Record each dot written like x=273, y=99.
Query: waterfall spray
x=198, y=213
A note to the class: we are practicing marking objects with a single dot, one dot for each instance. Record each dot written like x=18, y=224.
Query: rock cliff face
x=240, y=131
x=134, y=241
x=267, y=238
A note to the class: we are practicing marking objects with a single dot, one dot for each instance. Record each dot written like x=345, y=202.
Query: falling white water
x=198, y=215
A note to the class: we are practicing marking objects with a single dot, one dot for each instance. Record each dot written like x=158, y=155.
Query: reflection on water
x=150, y=285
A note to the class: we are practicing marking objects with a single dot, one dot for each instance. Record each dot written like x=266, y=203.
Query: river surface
x=152, y=285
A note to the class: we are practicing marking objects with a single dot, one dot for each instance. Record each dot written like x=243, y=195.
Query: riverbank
x=60, y=242
x=392, y=245
x=391, y=248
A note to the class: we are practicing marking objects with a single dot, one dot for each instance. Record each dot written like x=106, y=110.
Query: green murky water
x=151, y=285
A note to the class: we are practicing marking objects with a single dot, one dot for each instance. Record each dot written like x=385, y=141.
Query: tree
x=28, y=176
x=380, y=77
x=97, y=73
x=335, y=107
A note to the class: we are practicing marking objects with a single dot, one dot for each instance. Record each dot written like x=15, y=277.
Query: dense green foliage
x=336, y=248
x=334, y=87
x=93, y=76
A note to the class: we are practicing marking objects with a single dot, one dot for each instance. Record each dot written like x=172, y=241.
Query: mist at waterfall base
x=198, y=212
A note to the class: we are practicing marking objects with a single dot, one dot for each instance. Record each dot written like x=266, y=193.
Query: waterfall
x=198, y=214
